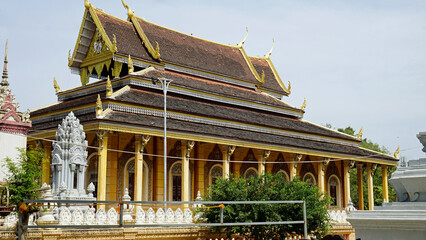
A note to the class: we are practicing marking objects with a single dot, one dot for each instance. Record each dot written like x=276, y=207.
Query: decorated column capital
x=325, y=163
x=189, y=146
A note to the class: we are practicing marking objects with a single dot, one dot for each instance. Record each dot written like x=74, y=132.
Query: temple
x=14, y=125
x=226, y=113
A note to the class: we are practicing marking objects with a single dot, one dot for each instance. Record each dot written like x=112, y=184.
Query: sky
x=358, y=63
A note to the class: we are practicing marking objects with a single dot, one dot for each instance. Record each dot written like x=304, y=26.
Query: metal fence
x=123, y=206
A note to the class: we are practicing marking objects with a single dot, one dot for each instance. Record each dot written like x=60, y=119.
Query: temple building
x=14, y=125
x=226, y=113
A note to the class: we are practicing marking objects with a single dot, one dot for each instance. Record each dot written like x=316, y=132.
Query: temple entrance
x=129, y=179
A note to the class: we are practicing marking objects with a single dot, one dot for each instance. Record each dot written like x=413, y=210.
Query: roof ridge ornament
x=130, y=12
x=359, y=135
x=268, y=55
x=5, y=80
x=396, y=154
x=244, y=40
x=303, y=107
x=109, y=90
x=87, y=4
x=56, y=85
x=130, y=65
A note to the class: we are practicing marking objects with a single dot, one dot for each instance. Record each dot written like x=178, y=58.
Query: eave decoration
x=280, y=82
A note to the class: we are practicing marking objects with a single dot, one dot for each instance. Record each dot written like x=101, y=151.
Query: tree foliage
x=377, y=177
x=266, y=188
x=24, y=175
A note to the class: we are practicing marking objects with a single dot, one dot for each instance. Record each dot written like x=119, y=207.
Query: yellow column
x=102, y=165
x=226, y=155
x=186, y=175
x=321, y=174
x=45, y=166
x=262, y=162
x=293, y=166
x=140, y=144
x=359, y=169
x=370, y=172
x=385, y=183
x=347, y=180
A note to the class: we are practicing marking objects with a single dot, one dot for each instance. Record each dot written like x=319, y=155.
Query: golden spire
x=108, y=88
x=56, y=85
x=244, y=40
x=396, y=154
x=99, y=109
x=270, y=51
x=359, y=135
x=130, y=13
x=303, y=107
x=130, y=65
x=5, y=81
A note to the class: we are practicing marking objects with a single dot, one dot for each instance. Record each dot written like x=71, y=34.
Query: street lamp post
x=165, y=86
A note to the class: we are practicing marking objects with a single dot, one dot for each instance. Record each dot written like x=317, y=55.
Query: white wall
x=8, y=148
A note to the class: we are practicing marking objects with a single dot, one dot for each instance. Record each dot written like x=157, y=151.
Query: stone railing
x=340, y=215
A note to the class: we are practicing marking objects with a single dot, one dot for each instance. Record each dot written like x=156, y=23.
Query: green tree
x=265, y=188
x=24, y=175
x=377, y=177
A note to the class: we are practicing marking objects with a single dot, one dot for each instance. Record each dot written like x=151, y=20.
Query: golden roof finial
x=69, y=58
x=114, y=43
x=289, y=87
x=396, y=154
x=56, y=85
x=130, y=65
x=303, y=107
x=244, y=40
x=129, y=11
x=5, y=81
x=99, y=109
x=359, y=135
x=87, y=4
x=108, y=88
x=270, y=51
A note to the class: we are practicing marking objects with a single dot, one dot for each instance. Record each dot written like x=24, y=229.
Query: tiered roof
x=219, y=94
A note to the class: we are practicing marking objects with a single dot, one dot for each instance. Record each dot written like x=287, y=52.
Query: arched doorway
x=129, y=179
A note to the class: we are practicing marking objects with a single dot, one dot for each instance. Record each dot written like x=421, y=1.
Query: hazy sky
x=358, y=63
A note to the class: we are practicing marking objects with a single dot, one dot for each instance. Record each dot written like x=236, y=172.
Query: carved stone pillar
x=226, y=160
x=370, y=171
x=262, y=162
x=385, y=183
x=186, y=175
x=347, y=180
x=140, y=143
x=102, y=164
x=359, y=168
x=293, y=166
x=321, y=174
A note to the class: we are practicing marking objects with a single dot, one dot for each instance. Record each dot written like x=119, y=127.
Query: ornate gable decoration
x=11, y=120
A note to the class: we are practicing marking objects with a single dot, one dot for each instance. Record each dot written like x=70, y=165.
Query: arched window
x=284, y=174
x=175, y=181
x=250, y=172
x=334, y=190
x=129, y=179
x=309, y=178
x=92, y=172
x=215, y=172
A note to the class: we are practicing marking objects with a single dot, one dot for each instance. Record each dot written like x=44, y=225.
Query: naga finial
x=396, y=154
x=289, y=87
x=129, y=11
x=130, y=65
x=244, y=40
x=69, y=58
x=99, y=109
x=303, y=107
x=268, y=55
x=5, y=81
x=359, y=135
x=56, y=85
x=87, y=4
x=108, y=88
